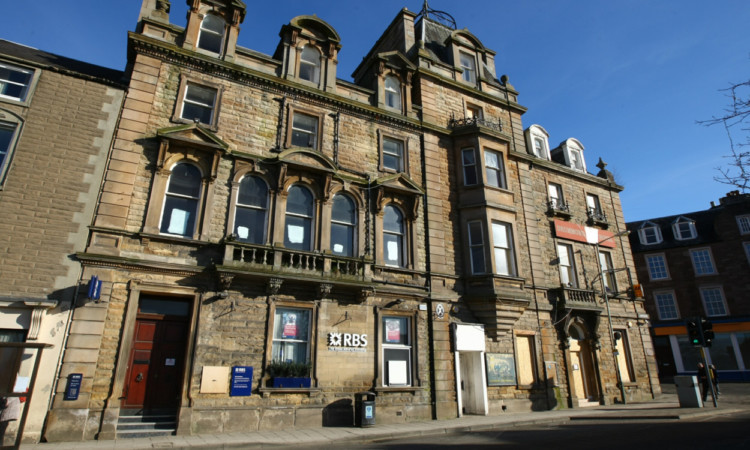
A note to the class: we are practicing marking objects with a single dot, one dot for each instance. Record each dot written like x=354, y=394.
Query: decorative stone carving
x=366, y=293
x=274, y=285
x=324, y=290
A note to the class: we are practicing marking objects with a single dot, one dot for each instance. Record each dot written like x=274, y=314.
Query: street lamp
x=609, y=315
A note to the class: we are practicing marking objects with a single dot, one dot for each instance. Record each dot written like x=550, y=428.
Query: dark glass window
x=343, y=222
x=251, y=210
x=299, y=219
x=393, y=237
x=181, y=200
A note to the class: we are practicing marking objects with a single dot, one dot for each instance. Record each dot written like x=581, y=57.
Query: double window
x=666, y=306
x=14, y=82
x=657, y=267
x=309, y=64
x=199, y=104
x=468, y=64
x=394, y=235
x=211, y=36
x=567, y=265
x=713, y=301
x=392, y=92
x=291, y=335
x=298, y=230
x=494, y=170
x=181, y=200
x=396, y=346
x=702, y=261
x=251, y=210
x=393, y=154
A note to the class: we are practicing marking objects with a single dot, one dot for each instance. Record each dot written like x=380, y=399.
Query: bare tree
x=736, y=120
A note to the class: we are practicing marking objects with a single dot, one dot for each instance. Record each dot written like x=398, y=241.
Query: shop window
x=649, y=234
x=14, y=82
x=567, y=265
x=476, y=247
x=666, y=305
x=181, y=201
x=305, y=130
x=392, y=153
x=394, y=235
x=251, y=210
x=199, y=104
x=494, y=170
x=298, y=231
x=392, y=92
x=468, y=64
x=211, y=36
x=702, y=261
x=291, y=335
x=397, y=351
x=605, y=263
x=657, y=267
x=526, y=360
x=7, y=144
x=502, y=241
x=713, y=301
x=624, y=358
x=468, y=158
x=343, y=226
x=309, y=64
x=684, y=228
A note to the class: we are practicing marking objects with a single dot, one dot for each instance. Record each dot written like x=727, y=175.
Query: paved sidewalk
x=735, y=398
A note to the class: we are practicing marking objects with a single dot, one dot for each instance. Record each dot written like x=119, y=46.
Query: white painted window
x=251, y=211
x=684, y=228
x=743, y=222
x=605, y=262
x=468, y=64
x=181, y=201
x=657, y=267
x=211, y=36
x=469, y=161
x=649, y=234
x=291, y=335
x=7, y=138
x=304, y=131
x=702, y=261
x=502, y=242
x=14, y=81
x=393, y=154
x=343, y=226
x=392, y=92
x=567, y=265
x=394, y=235
x=397, y=351
x=666, y=305
x=298, y=230
x=494, y=169
x=556, y=199
x=309, y=64
x=199, y=104
x=713, y=301
x=476, y=247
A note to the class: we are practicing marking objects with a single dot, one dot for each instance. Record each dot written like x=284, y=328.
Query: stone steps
x=146, y=425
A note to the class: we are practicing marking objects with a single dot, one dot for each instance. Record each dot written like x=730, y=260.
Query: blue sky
x=629, y=79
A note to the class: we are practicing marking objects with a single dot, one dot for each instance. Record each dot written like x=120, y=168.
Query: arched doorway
x=582, y=370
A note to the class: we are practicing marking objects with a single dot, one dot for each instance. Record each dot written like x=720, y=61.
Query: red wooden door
x=157, y=360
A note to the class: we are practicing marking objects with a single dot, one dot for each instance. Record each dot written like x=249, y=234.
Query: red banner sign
x=580, y=233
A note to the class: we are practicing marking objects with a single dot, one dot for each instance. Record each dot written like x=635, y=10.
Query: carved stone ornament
x=324, y=290
x=366, y=293
x=163, y=5
x=274, y=285
x=225, y=280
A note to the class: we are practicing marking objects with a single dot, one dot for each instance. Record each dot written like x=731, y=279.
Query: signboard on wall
x=242, y=381
x=580, y=233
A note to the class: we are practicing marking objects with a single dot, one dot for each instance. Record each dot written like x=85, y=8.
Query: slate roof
x=704, y=226
x=50, y=61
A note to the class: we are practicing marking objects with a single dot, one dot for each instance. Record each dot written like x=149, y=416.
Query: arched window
x=211, y=36
x=251, y=210
x=392, y=92
x=299, y=219
x=181, y=200
x=309, y=64
x=343, y=225
x=393, y=237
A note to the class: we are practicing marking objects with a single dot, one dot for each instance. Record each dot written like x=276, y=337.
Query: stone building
x=695, y=265
x=395, y=234
x=57, y=119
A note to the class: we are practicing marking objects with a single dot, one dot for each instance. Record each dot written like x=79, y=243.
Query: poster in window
x=501, y=369
x=289, y=319
x=392, y=331
x=178, y=221
x=392, y=251
x=243, y=232
x=296, y=234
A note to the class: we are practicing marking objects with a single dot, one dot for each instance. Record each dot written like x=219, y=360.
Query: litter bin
x=688, y=391
x=364, y=409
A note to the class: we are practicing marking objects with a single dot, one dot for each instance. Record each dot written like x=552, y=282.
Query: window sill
x=171, y=238
x=268, y=391
x=387, y=389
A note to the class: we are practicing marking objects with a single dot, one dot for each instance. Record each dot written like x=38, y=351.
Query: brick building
x=395, y=234
x=57, y=119
x=696, y=265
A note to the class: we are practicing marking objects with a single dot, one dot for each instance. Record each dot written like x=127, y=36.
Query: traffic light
x=708, y=332
x=694, y=332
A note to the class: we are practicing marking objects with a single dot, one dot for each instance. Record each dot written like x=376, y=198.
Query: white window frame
x=399, y=156
x=594, y=205
x=308, y=65
x=556, y=197
x=474, y=112
x=312, y=133
x=302, y=217
x=407, y=347
x=710, y=312
x=665, y=303
x=539, y=147
x=643, y=236
x=503, y=250
x=197, y=201
x=392, y=87
x=702, y=260
x=651, y=269
x=471, y=178
x=212, y=34
x=746, y=245
x=398, y=236
x=682, y=234
x=350, y=226
x=259, y=209
x=475, y=232
x=498, y=171
x=29, y=73
x=607, y=267
x=277, y=323
x=204, y=106
x=743, y=223
x=468, y=63
x=6, y=154
x=567, y=265
x=576, y=159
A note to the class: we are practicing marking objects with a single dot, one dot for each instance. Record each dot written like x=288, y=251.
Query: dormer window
x=392, y=92
x=684, y=228
x=540, y=150
x=212, y=34
x=14, y=82
x=649, y=234
x=469, y=67
x=474, y=112
x=309, y=64
x=576, y=159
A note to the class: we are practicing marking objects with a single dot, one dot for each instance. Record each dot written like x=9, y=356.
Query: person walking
x=714, y=378
x=703, y=378
x=10, y=409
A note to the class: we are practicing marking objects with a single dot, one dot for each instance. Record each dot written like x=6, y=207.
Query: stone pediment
x=396, y=60
x=193, y=134
x=399, y=182
x=308, y=158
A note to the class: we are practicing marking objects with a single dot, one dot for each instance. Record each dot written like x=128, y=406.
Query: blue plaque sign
x=74, y=386
x=242, y=381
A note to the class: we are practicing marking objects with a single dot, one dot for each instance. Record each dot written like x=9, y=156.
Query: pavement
x=735, y=398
